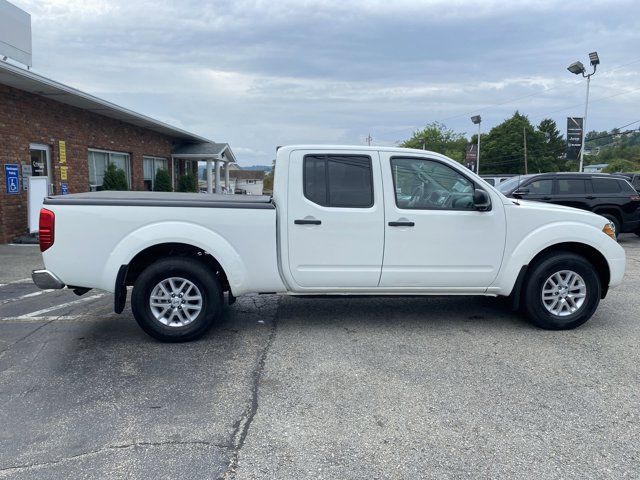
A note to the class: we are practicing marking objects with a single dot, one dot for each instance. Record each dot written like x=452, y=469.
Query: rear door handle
x=401, y=224
x=307, y=222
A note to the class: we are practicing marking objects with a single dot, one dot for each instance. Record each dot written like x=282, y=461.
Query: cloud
x=266, y=73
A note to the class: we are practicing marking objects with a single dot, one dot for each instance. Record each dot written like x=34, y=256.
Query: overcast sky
x=267, y=73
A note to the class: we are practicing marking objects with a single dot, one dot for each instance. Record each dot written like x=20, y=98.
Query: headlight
x=610, y=229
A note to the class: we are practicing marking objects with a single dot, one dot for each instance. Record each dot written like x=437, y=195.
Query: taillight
x=634, y=198
x=47, y=228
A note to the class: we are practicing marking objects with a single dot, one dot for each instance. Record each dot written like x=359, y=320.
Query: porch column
x=218, y=181
x=209, y=185
x=226, y=176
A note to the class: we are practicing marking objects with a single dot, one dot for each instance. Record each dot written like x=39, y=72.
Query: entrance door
x=41, y=162
x=335, y=219
x=435, y=238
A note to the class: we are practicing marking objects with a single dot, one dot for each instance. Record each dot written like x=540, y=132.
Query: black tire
x=536, y=279
x=191, y=270
x=616, y=223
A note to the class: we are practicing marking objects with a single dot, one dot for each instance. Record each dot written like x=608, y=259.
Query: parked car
x=494, y=180
x=342, y=220
x=611, y=196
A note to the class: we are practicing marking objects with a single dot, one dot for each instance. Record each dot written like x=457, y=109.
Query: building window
x=151, y=165
x=98, y=162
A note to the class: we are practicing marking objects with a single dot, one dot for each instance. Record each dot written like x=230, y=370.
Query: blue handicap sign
x=64, y=188
x=12, y=178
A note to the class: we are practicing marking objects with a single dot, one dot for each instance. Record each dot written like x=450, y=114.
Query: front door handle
x=590, y=197
x=307, y=222
x=401, y=224
x=546, y=198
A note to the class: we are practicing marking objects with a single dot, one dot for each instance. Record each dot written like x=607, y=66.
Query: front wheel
x=561, y=291
x=176, y=299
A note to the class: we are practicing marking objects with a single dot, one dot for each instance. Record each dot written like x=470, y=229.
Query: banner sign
x=574, y=137
x=62, y=147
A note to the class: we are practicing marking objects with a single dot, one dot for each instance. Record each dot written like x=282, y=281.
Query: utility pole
x=524, y=134
x=369, y=139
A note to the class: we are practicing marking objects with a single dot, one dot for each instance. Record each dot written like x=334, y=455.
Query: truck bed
x=162, y=199
x=98, y=232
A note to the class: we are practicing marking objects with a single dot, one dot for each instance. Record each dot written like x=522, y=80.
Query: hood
x=560, y=212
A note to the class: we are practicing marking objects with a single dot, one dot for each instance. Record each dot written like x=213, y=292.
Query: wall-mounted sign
x=574, y=137
x=64, y=188
x=63, y=173
x=62, y=147
x=12, y=178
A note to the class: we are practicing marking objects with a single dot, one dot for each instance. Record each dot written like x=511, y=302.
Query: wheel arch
x=588, y=252
x=149, y=255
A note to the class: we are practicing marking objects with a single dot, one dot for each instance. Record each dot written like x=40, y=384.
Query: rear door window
x=605, y=185
x=570, y=186
x=344, y=181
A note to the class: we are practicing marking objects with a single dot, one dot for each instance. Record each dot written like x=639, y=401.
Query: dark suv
x=611, y=196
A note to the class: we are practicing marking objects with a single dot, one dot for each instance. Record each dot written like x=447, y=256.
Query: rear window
x=627, y=187
x=605, y=185
x=571, y=186
x=338, y=180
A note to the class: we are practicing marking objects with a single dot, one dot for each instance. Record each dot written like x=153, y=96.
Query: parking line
x=28, y=295
x=48, y=318
x=62, y=305
x=15, y=282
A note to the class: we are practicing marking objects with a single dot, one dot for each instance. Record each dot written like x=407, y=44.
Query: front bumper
x=46, y=280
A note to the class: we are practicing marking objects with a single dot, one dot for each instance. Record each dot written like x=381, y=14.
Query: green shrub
x=188, y=183
x=114, y=178
x=162, y=182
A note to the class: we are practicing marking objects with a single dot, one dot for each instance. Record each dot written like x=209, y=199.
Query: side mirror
x=520, y=192
x=481, y=200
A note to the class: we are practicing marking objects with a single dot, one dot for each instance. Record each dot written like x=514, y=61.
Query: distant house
x=247, y=182
x=595, y=168
x=250, y=182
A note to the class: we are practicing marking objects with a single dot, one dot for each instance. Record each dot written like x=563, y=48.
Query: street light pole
x=577, y=68
x=584, y=122
x=477, y=120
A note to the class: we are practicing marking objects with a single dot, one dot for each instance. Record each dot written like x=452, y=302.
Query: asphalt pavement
x=300, y=388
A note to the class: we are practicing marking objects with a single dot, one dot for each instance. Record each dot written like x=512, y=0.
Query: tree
x=438, y=138
x=187, y=183
x=268, y=177
x=162, y=182
x=504, y=147
x=621, y=165
x=114, y=178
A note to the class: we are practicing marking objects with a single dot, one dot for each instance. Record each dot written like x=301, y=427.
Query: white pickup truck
x=343, y=220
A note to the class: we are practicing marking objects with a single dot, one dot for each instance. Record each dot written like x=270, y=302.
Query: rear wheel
x=176, y=299
x=561, y=291
x=616, y=223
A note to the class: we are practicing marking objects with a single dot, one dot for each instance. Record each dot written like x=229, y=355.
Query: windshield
x=511, y=184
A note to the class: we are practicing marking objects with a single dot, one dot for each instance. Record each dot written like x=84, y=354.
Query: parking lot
x=316, y=388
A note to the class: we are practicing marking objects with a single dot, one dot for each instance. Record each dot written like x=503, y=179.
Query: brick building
x=49, y=129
